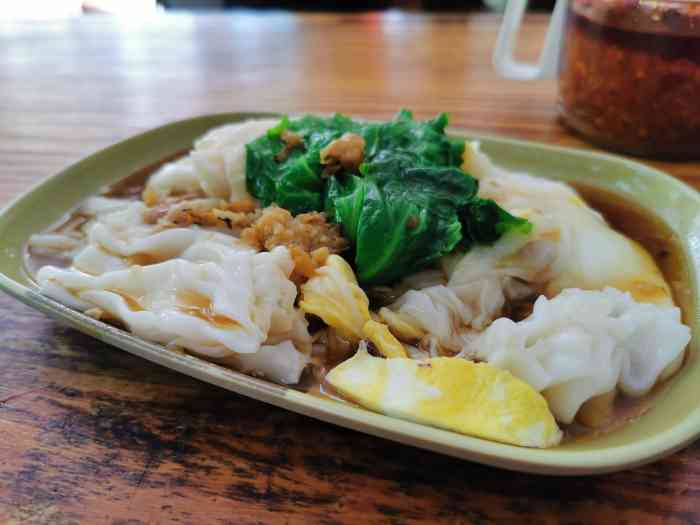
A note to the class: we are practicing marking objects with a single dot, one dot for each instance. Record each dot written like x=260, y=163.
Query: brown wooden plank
x=91, y=434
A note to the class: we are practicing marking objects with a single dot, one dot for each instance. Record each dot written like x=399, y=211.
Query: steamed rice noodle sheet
x=422, y=280
x=583, y=344
x=216, y=166
x=215, y=300
x=575, y=247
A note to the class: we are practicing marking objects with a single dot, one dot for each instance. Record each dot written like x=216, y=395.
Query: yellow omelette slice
x=477, y=399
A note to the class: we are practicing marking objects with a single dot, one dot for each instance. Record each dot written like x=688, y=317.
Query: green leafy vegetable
x=344, y=198
x=261, y=168
x=485, y=222
x=404, y=207
x=406, y=220
x=294, y=182
x=423, y=142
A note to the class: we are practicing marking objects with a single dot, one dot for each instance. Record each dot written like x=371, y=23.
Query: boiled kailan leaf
x=424, y=142
x=408, y=203
x=293, y=182
x=401, y=221
x=484, y=222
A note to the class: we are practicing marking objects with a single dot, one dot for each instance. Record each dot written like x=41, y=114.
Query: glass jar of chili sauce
x=629, y=72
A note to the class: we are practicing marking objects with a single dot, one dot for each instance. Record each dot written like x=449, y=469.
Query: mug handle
x=503, y=59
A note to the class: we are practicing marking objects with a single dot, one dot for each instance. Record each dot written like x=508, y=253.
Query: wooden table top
x=92, y=434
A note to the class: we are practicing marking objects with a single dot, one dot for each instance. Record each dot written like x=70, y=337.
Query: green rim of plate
x=671, y=423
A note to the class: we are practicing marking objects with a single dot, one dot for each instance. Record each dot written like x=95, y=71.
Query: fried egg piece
x=476, y=399
x=334, y=295
x=383, y=339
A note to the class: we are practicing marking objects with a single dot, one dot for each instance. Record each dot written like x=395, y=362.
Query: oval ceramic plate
x=671, y=423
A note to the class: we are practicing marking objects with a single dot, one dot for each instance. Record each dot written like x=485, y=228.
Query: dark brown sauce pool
x=650, y=231
x=624, y=216
x=666, y=248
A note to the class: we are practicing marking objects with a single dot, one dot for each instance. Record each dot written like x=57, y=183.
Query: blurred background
x=46, y=9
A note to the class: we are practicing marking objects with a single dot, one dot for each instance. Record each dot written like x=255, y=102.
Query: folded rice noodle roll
x=214, y=168
x=220, y=301
x=582, y=346
x=572, y=246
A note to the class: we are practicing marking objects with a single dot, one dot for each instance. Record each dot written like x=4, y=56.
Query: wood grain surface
x=90, y=434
